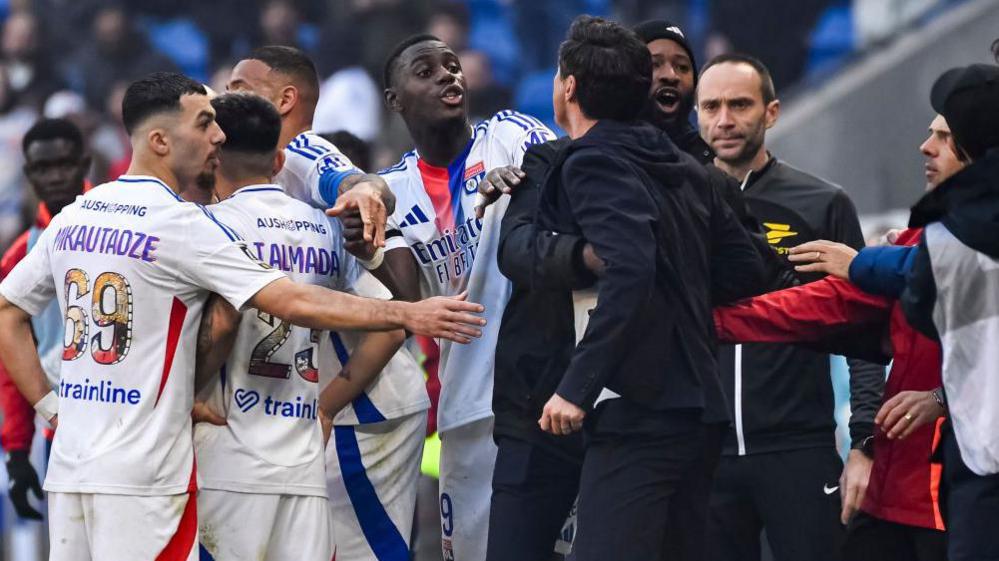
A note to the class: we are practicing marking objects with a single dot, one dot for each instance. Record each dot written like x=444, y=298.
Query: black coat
x=665, y=233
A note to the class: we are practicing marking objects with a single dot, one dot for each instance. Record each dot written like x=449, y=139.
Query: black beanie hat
x=968, y=97
x=651, y=30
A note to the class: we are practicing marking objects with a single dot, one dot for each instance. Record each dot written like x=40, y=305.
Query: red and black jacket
x=904, y=485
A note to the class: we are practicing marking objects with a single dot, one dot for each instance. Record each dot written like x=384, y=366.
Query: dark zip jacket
x=665, y=233
x=781, y=396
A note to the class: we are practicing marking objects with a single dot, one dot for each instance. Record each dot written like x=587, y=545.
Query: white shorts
x=372, y=471
x=237, y=526
x=100, y=527
x=468, y=456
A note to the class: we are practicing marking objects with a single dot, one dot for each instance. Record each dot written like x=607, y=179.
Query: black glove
x=22, y=477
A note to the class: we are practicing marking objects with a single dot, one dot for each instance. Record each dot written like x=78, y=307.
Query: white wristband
x=48, y=406
x=375, y=261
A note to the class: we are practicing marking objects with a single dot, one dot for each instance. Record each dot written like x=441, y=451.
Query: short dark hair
x=397, y=51
x=766, y=81
x=54, y=129
x=251, y=123
x=158, y=92
x=995, y=50
x=612, y=67
x=289, y=61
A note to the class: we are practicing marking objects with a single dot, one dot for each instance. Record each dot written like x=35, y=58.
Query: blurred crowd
x=73, y=58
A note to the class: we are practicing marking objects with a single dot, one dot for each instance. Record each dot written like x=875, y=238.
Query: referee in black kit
x=639, y=203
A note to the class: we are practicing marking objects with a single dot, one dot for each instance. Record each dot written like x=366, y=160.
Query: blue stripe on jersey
x=306, y=146
x=382, y=534
x=258, y=189
x=509, y=116
x=418, y=212
x=329, y=183
x=400, y=165
x=530, y=119
x=302, y=153
x=364, y=409
x=233, y=236
x=456, y=182
x=149, y=180
x=203, y=554
x=341, y=350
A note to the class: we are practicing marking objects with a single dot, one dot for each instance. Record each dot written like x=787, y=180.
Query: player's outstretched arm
x=316, y=307
x=219, y=325
x=373, y=352
x=20, y=355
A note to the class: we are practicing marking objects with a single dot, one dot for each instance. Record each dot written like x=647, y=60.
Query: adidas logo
x=414, y=217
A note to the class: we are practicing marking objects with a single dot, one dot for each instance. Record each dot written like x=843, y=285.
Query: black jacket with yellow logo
x=781, y=396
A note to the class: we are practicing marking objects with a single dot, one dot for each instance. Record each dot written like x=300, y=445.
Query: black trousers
x=645, y=485
x=794, y=495
x=970, y=504
x=872, y=539
x=533, y=492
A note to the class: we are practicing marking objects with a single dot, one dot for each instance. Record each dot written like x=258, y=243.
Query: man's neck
x=292, y=126
x=741, y=169
x=577, y=123
x=224, y=187
x=155, y=168
x=441, y=143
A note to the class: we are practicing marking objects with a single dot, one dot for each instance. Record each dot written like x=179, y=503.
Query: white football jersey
x=398, y=390
x=313, y=169
x=435, y=213
x=131, y=265
x=312, y=173
x=268, y=390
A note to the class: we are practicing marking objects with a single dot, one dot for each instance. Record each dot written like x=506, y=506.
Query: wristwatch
x=866, y=446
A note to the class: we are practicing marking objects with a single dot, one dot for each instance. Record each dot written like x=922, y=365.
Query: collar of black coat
x=968, y=205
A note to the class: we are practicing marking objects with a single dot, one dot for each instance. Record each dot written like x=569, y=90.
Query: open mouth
x=452, y=95
x=668, y=98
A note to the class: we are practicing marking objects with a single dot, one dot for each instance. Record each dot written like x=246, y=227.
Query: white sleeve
x=223, y=263
x=537, y=135
x=30, y=285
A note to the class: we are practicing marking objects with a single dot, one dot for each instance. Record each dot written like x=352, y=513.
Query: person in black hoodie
x=674, y=77
x=948, y=287
x=640, y=203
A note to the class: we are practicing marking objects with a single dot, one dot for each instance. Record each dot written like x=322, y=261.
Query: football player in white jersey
x=439, y=247
x=373, y=461
x=132, y=265
x=315, y=171
x=262, y=476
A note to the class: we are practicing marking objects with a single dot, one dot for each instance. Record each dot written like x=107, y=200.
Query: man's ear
x=278, y=162
x=570, y=88
x=772, y=113
x=158, y=142
x=287, y=99
x=392, y=100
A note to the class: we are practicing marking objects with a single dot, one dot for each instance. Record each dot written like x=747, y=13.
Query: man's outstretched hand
x=497, y=182
x=23, y=478
x=371, y=198
x=449, y=318
x=823, y=256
